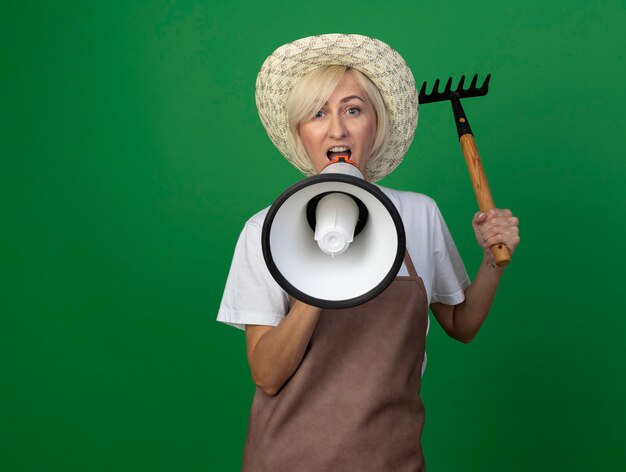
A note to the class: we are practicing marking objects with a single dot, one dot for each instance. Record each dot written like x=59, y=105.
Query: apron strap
x=409, y=265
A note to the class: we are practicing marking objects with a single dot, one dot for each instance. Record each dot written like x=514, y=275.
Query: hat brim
x=378, y=61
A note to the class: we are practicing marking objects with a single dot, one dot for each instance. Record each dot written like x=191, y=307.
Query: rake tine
x=423, y=90
x=484, y=88
x=435, y=88
x=448, y=86
x=473, y=83
x=460, y=89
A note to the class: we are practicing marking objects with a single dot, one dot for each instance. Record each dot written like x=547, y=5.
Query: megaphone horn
x=333, y=240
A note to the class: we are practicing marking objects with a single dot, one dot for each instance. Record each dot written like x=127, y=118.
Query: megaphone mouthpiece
x=336, y=217
x=342, y=165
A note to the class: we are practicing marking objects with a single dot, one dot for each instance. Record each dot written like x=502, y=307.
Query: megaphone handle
x=500, y=252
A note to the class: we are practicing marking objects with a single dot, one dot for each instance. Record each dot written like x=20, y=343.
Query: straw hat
x=379, y=62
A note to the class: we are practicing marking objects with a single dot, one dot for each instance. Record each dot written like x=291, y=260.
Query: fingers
x=499, y=223
x=479, y=217
x=497, y=226
x=510, y=239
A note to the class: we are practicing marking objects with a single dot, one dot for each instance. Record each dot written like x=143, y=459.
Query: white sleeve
x=450, y=278
x=251, y=295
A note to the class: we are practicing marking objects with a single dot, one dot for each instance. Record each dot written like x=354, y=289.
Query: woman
x=338, y=390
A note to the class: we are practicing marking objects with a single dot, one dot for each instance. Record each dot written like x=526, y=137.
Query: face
x=346, y=125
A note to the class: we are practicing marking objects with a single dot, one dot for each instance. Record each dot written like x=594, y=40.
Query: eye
x=353, y=111
x=319, y=114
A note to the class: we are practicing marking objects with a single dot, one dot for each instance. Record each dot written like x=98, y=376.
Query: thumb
x=479, y=217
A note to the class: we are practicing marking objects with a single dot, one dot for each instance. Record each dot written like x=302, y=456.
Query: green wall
x=131, y=155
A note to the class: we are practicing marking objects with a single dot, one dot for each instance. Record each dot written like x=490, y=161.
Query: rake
x=500, y=252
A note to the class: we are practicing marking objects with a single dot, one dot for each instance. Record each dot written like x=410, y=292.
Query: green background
x=131, y=154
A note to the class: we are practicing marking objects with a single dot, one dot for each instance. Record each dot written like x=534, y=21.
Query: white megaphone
x=333, y=240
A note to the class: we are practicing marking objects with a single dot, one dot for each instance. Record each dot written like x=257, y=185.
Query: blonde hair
x=309, y=95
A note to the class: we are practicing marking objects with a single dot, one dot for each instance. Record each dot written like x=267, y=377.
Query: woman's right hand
x=275, y=352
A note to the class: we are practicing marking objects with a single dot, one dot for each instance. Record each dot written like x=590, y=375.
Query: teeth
x=338, y=149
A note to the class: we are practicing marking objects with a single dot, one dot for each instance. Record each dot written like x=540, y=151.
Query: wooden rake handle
x=500, y=252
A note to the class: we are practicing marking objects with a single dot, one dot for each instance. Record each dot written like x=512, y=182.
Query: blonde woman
x=339, y=390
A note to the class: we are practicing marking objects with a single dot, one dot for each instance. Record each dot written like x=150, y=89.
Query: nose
x=337, y=128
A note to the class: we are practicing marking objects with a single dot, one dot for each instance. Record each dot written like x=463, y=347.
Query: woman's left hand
x=496, y=226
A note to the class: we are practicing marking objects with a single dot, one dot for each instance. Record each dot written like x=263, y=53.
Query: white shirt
x=251, y=295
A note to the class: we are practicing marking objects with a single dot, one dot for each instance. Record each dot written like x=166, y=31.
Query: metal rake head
x=448, y=93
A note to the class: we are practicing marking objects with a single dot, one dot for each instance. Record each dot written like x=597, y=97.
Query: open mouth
x=337, y=151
